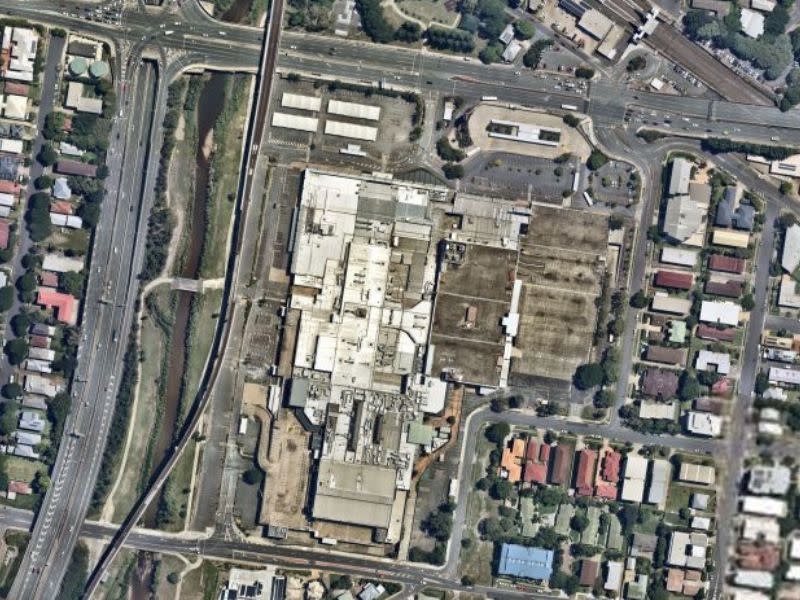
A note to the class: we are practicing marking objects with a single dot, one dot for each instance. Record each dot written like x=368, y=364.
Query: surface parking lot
x=516, y=176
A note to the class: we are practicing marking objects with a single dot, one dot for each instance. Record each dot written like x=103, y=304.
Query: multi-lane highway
x=107, y=313
x=186, y=37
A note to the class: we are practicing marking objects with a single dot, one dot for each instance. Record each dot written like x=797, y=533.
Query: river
x=210, y=105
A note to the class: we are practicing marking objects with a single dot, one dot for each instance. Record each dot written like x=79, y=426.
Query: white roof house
x=70, y=221
x=7, y=199
x=772, y=480
x=790, y=256
x=701, y=523
x=683, y=218
x=687, y=550
x=663, y=302
x=679, y=177
x=704, y=424
x=21, y=44
x=512, y=51
x=635, y=475
x=723, y=312
x=15, y=107
x=80, y=103
x=649, y=409
x=762, y=580
x=614, y=575
x=659, y=481
x=764, y=5
x=720, y=361
x=351, y=130
x=507, y=34
x=765, y=507
x=765, y=528
x=752, y=23
x=61, y=189
x=61, y=264
x=11, y=146
x=679, y=256
x=770, y=428
x=784, y=376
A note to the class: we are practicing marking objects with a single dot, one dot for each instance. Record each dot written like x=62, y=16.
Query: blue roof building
x=522, y=561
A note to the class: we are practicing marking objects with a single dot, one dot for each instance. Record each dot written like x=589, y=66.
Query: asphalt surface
x=195, y=39
x=49, y=82
x=107, y=313
x=219, y=345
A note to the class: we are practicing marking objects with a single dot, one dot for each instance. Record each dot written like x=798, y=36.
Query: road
x=254, y=134
x=108, y=310
x=49, y=82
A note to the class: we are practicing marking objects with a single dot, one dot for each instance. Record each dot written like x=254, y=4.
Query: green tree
x=8, y=417
x=409, y=32
x=6, y=298
x=43, y=182
x=748, y=302
x=374, y=21
x=786, y=188
x=637, y=63
x=501, y=489
x=604, y=399
x=20, y=323
x=524, y=30
x=253, y=476
x=497, y=432
x=47, y=155
x=762, y=383
x=584, y=72
x=533, y=56
x=596, y=160
x=491, y=53
x=588, y=376
x=689, y=388
x=12, y=391
x=640, y=300
x=41, y=482
x=579, y=522
x=26, y=282
x=453, y=171
x=16, y=350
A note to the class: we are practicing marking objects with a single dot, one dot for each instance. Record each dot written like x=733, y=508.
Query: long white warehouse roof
x=354, y=110
x=350, y=130
x=294, y=122
x=301, y=102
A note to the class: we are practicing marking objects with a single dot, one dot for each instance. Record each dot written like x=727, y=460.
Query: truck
x=488, y=98
x=569, y=107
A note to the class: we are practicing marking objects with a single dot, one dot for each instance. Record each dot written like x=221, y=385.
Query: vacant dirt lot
x=561, y=266
x=287, y=475
x=469, y=348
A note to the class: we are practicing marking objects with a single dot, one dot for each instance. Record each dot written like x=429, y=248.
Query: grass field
x=680, y=495
x=224, y=176
x=169, y=564
x=115, y=584
x=19, y=541
x=201, y=583
x=430, y=11
x=201, y=327
x=154, y=343
x=23, y=469
x=181, y=187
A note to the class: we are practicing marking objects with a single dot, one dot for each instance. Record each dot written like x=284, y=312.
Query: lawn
x=74, y=240
x=154, y=342
x=8, y=570
x=430, y=11
x=169, y=564
x=680, y=496
x=23, y=469
x=224, y=176
x=117, y=580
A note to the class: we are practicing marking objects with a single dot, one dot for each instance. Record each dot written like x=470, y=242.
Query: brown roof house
x=660, y=384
